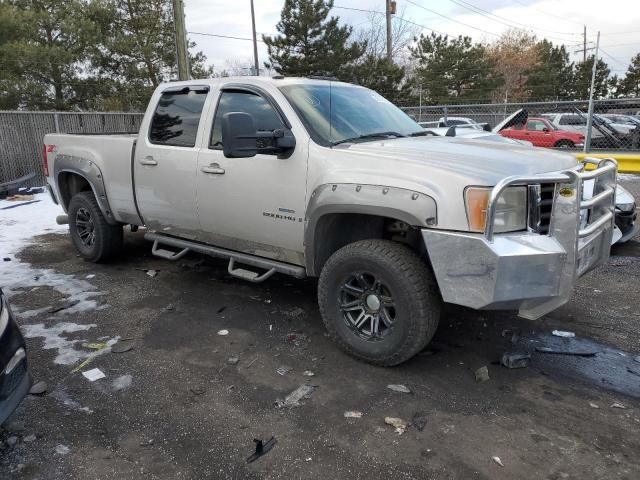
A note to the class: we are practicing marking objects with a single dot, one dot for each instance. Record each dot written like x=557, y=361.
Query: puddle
x=608, y=368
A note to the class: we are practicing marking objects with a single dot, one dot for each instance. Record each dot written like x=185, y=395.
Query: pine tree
x=581, y=84
x=630, y=84
x=310, y=42
x=551, y=78
x=381, y=75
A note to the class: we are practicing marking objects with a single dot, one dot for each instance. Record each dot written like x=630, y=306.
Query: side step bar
x=272, y=266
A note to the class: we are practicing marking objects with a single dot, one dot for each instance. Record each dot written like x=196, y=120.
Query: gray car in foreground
x=311, y=177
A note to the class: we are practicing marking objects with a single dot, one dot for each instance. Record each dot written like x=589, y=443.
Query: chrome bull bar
x=604, y=198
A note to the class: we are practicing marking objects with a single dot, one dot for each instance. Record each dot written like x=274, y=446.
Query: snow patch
x=53, y=339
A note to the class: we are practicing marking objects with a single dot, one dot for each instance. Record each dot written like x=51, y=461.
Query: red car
x=543, y=133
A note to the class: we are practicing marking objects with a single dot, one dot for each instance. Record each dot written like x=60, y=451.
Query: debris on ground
x=261, y=448
x=419, y=421
x=308, y=373
x=122, y=346
x=38, y=388
x=293, y=399
x=197, y=390
x=223, y=332
x=152, y=273
x=399, y=424
x=498, y=461
x=515, y=359
x=482, y=374
x=19, y=198
x=93, y=374
x=99, y=348
x=122, y=382
x=563, y=334
x=562, y=351
x=6, y=259
x=283, y=370
x=635, y=372
x=233, y=360
x=62, y=449
x=593, y=405
x=221, y=309
x=64, y=306
x=352, y=414
x=618, y=405
x=12, y=441
x=398, y=388
x=90, y=276
x=29, y=438
x=297, y=339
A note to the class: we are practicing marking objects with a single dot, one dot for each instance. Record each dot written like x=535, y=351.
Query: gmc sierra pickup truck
x=313, y=177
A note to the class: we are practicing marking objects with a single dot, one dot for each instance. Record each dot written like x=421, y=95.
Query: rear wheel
x=379, y=301
x=564, y=144
x=94, y=238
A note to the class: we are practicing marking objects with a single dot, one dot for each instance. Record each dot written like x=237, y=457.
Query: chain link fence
x=21, y=135
x=560, y=124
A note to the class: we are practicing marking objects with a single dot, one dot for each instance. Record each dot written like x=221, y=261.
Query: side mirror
x=239, y=135
x=545, y=129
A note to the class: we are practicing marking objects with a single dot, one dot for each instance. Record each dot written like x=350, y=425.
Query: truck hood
x=481, y=162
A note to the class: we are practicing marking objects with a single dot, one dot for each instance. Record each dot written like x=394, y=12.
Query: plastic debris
x=38, y=388
x=419, y=421
x=593, y=405
x=563, y=334
x=223, y=332
x=93, y=374
x=498, y=461
x=283, y=370
x=233, y=360
x=152, y=273
x=399, y=424
x=398, y=388
x=29, y=438
x=561, y=351
x=618, y=405
x=482, y=374
x=515, y=359
x=91, y=275
x=261, y=448
x=308, y=373
x=122, y=346
x=352, y=414
x=62, y=449
x=122, y=382
x=294, y=398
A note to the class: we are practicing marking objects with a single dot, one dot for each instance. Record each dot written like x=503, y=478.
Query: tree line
x=111, y=54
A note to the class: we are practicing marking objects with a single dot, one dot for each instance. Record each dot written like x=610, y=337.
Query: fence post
x=56, y=122
x=446, y=119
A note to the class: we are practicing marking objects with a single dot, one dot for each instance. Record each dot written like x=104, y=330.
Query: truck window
x=175, y=121
x=535, y=125
x=264, y=116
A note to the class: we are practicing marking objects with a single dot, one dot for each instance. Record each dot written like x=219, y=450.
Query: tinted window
x=456, y=122
x=265, y=117
x=572, y=120
x=536, y=125
x=175, y=121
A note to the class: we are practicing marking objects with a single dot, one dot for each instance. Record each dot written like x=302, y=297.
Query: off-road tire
x=564, y=144
x=411, y=285
x=107, y=241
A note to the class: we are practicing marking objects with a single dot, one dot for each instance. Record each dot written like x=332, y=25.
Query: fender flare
x=91, y=172
x=414, y=208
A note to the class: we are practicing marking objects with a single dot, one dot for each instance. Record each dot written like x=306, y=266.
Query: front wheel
x=94, y=238
x=564, y=144
x=379, y=301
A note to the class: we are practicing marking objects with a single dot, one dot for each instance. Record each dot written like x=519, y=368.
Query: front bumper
x=15, y=380
x=528, y=271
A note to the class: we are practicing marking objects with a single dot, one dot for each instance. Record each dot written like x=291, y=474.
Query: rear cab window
x=177, y=116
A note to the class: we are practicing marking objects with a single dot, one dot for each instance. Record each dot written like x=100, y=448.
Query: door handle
x=148, y=161
x=213, y=169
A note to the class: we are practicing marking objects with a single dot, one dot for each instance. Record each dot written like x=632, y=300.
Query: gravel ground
x=175, y=406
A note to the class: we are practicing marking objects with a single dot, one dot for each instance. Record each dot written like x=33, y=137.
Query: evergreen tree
x=310, y=42
x=454, y=69
x=551, y=77
x=630, y=84
x=381, y=75
x=581, y=84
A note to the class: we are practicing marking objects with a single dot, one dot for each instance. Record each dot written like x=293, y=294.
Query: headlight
x=511, y=209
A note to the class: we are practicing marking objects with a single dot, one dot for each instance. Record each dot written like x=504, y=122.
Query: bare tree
x=403, y=34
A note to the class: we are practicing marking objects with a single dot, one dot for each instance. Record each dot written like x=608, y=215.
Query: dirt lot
x=174, y=406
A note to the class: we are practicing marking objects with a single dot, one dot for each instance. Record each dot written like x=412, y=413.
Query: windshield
x=337, y=113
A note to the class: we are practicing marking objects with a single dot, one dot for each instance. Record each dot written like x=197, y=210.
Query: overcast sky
x=561, y=21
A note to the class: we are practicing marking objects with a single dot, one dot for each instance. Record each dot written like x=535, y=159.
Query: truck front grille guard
x=599, y=199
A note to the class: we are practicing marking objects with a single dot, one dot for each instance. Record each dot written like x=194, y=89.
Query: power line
x=547, y=13
x=452, y=19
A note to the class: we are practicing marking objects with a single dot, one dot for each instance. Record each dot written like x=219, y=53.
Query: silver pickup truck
x=312, y=177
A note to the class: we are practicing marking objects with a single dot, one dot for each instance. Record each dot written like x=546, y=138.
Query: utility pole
x=584, y=48
x=181, y=40
x=389, y=10
x=255, y=42
x=587, y=140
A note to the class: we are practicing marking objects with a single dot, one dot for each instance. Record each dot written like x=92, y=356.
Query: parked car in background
x=620, y=119
x=15, y=380
x=542, y=133
x=604, y=133
x=460, y=122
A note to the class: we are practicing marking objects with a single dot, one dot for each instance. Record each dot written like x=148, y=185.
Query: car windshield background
x=265, y=117
x=175, y=121
x=332, y=113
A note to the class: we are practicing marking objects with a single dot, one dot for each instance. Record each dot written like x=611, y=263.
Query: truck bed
x=112, y=154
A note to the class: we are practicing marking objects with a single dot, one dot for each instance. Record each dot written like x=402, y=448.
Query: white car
x=461, y=122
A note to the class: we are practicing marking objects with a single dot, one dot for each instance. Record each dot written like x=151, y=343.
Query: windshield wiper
x=421, y=133
x=370, y=136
